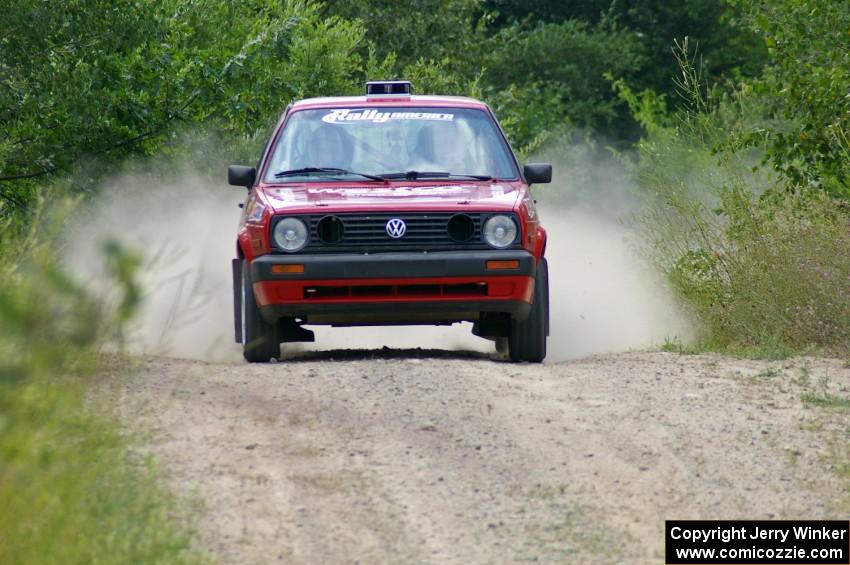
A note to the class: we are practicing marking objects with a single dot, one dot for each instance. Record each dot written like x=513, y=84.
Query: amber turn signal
x=500, y=265
x=293, y=269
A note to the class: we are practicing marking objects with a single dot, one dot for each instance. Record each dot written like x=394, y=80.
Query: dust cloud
x=603, y=299
x=185, y=230
x=604, y=296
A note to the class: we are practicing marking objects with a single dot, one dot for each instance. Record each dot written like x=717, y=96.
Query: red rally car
x=390, y=209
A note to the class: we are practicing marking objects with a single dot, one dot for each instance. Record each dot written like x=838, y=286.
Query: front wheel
x=527, y=338
x=260, y=340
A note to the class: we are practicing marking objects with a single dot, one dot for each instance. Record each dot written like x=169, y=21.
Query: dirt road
x=449, y=457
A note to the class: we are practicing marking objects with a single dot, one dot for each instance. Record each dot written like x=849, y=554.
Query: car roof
x=382, y=101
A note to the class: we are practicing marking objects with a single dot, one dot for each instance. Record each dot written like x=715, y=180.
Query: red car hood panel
x=413, y=196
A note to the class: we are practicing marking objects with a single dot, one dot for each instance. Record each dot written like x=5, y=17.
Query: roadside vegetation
x=735, y=112
x=747, y=185
x=69, y=490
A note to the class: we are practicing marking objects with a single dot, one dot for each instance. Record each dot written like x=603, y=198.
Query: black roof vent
x=389, y=88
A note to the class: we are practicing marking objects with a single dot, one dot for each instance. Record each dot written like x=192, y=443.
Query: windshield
x=358, y=143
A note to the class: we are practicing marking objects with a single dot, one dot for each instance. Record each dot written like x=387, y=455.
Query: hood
x=312, y=196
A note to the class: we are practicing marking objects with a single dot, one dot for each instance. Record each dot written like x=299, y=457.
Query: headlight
x=500, y=231
x=290, y=234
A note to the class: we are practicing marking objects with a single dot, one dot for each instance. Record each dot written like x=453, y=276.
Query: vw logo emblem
x=396, y=228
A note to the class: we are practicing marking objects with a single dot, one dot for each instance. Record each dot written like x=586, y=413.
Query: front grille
x=366, y=232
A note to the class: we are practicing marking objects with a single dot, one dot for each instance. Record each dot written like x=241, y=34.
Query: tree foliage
x=97, y=80
x=747, y=186
x=85, y=84
x=726, y=49
x=805, y=89
x=558, y=72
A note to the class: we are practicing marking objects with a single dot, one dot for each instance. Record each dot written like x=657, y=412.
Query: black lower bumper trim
x=419, y=312
x=392, y=265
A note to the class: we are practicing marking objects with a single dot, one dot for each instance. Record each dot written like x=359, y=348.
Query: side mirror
x=537, y=173
x=238, y=175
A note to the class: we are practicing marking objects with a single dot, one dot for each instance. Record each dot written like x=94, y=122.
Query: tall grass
x=759, y=262
x=777, y=274
x=70, y=492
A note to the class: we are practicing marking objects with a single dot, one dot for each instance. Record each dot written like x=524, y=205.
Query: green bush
x=774, y=275
x=759, y=261
x=543, y=76
x=89, y=83
x=70, y=492
x=804, y=88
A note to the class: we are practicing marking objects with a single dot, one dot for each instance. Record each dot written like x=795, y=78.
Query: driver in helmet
x=327, y=147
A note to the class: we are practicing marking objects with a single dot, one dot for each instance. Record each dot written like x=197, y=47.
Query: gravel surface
x=410, y=456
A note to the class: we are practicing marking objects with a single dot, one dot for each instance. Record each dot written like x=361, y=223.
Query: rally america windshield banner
x=371, y=115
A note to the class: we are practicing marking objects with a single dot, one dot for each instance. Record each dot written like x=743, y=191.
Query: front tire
x=527, y=338
x=260, y=340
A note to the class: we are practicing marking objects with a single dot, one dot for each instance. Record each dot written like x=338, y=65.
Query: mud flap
x=236, y=266
x=291, y=332
x=492, y=325
x=546, y=266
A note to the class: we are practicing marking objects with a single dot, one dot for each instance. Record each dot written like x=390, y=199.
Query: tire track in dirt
x=436, y=457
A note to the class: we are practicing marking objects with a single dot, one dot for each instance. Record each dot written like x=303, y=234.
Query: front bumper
x=400, y=287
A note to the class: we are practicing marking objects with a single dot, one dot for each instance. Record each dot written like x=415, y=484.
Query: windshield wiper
x=333, y=170
x=476, y=177
x=414, y=175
